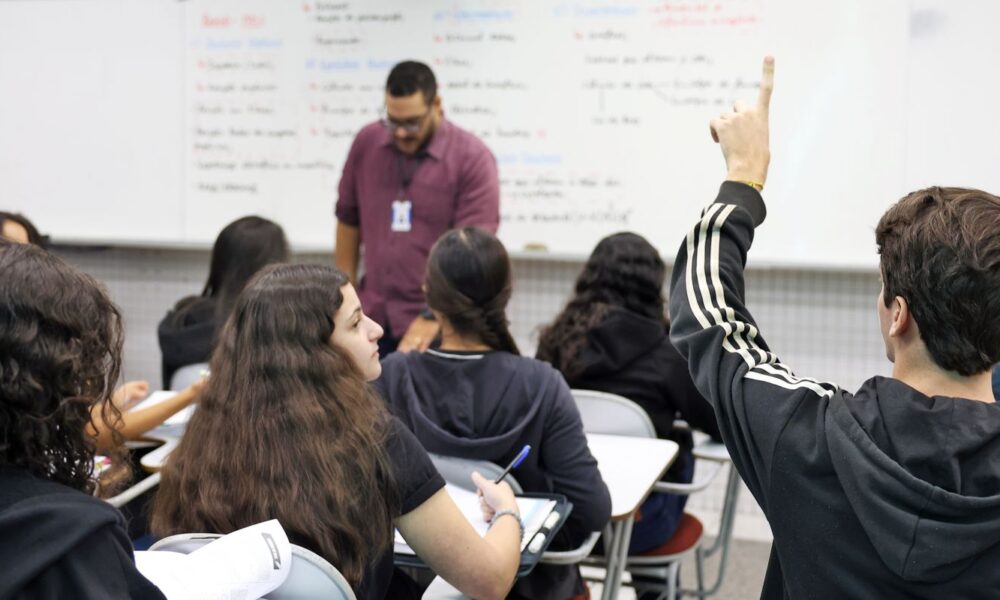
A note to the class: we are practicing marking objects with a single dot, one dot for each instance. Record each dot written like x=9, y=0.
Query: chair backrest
x=311, y=576
x=186, y=375
x=612, y=414
x=458, y=471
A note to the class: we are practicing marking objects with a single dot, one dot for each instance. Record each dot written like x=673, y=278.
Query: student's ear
x=436, y=103
x=901, y=317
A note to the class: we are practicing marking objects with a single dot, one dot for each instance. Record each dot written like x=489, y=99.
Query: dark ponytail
x=468, y=282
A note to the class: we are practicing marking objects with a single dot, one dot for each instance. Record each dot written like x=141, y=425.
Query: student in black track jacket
x=613, y=337
x=892, y=491
x=475, y=397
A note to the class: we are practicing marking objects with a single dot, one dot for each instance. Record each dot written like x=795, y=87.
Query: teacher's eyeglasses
x=410, y=126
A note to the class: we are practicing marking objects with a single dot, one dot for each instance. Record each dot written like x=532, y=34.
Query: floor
x=743, y=578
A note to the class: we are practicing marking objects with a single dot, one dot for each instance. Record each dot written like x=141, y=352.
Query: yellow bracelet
x=754, y=184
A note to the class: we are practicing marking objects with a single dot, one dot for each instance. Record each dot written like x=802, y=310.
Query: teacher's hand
x=419, y=335
x=743, y=133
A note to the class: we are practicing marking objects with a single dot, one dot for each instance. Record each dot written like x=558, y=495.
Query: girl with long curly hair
x=288, y=428
x=612, y=336
x=60, y=355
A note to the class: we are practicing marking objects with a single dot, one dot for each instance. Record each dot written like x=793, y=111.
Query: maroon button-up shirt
x=453, y=183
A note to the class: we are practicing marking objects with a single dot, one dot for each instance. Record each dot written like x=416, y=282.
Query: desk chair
x=458, y=471
x=310, y=577
x=606, y=413
x=186, y=375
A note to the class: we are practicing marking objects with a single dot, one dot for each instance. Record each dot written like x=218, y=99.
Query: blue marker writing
x=523, y=454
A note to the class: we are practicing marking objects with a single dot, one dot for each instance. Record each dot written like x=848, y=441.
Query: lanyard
x=407, y=172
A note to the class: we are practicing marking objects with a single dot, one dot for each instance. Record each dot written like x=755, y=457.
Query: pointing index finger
x=766, y=84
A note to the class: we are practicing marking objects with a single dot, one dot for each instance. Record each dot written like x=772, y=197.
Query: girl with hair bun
x=475, y=397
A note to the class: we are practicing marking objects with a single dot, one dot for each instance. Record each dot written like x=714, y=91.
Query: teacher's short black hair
x=409, y=77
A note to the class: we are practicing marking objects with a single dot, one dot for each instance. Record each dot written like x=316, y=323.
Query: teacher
x=409, y=177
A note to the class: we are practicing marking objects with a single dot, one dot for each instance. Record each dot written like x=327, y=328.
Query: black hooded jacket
x=57, y=542
x=486, y=406
x=187, y=335
x=631, y=355
x=884, y=493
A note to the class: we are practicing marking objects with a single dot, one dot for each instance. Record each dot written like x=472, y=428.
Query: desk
x=630, y=466
x=170, y=436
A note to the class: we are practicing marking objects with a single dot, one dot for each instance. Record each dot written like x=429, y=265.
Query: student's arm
x=479, y=194
x=753, y=393
x=348, y=234
x=480, y=567
x=346, y=250
x=566, y=459
x=134, y=423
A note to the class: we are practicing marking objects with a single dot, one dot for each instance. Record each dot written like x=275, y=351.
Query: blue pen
x=523, y=454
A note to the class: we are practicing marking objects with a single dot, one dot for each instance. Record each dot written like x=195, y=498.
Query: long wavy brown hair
x=286, y=428
x=60, y=354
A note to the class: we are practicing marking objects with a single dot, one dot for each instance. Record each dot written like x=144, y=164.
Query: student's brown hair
x=60, y=354
x=940, y=250
x=286, y=428
x=468, y=281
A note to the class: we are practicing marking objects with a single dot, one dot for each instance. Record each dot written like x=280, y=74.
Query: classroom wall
x=820, y=322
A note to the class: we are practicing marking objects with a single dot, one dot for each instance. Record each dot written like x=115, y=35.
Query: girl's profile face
x=356, y=334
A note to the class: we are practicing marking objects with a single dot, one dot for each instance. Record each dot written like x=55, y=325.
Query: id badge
x=402, y=215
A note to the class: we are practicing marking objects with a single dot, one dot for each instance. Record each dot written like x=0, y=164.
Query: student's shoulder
x=525, y=366
x=54, y=511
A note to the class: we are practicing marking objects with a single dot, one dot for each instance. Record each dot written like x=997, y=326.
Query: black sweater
x=486, y=407
x=186, y=335
x=631, y=355
x=57, y=542
x=884, y=493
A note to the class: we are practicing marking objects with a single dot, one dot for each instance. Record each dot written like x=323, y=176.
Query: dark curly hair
x=468, y=281
x=60, y=354
x=940, y=250
x=623, y=271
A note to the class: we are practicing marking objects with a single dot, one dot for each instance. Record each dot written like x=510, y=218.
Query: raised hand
x=743, y=133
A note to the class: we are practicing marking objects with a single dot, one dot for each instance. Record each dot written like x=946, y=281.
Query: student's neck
x=918, y=371
x=452, y=341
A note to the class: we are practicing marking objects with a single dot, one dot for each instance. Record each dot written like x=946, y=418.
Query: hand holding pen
x=490, y=502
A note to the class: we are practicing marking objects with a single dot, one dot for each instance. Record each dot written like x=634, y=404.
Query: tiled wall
x=821, y=323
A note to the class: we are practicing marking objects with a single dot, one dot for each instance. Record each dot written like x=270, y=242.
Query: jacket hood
x=192, y=318
x=620, y=339
x=479, y=402
x=922, y=474
x=39, y=530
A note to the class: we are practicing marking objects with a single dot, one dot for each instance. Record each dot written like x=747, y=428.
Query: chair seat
x=686, y=536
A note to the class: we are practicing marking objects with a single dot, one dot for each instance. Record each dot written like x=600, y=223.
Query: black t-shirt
x=417, y=480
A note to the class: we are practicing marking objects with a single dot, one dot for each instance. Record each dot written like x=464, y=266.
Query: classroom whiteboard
x=158, y=122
